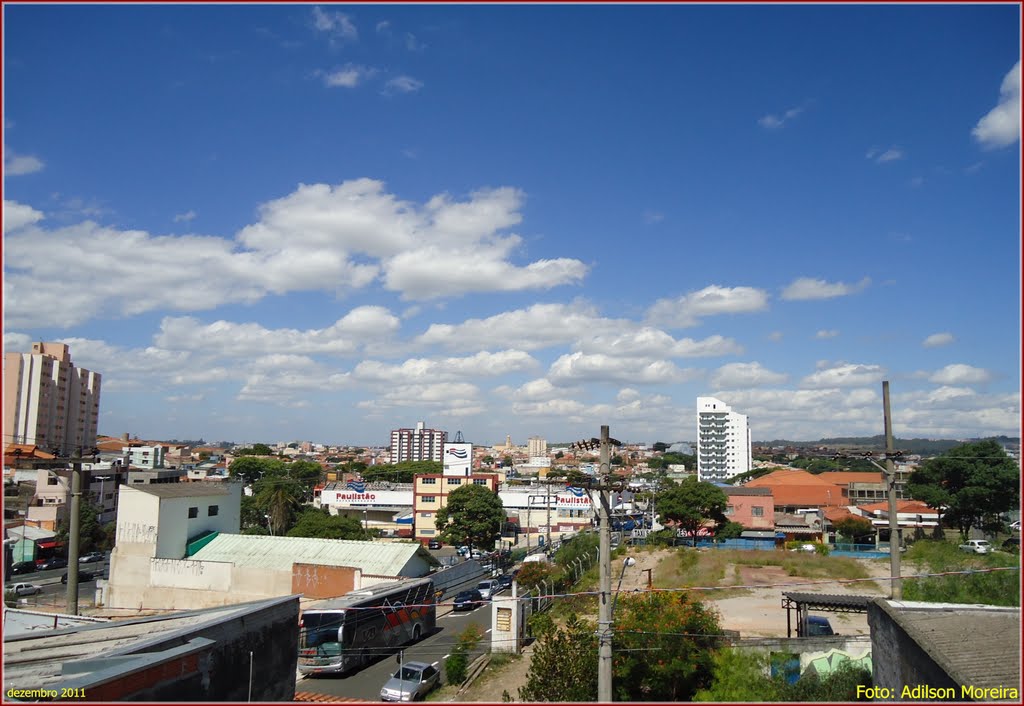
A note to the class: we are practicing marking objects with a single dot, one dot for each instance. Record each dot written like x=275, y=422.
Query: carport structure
x=821, y=602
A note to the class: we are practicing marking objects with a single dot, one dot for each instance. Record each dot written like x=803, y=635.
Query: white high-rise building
x=723, y=441
x=536, y=447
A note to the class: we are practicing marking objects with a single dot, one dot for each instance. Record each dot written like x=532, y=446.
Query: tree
x=968, y=484
x=739, y=675
x=320, y=523
x=660, y=447
x=663, y=646
x=278, y=496
x=92, y=536
x=564, y=664
x=251, y=468
x=472, y=516
x=853, y=528
x=261, y=450
x=691, y=504
x=730, y=530
x=307, y=474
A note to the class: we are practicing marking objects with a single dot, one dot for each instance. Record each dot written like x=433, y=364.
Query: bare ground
x=754, y=610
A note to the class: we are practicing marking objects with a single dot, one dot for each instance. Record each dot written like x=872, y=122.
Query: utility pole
x=604, y=621
x=73, y=536
x=547, y=504
x=895, y=537
x=604, y=560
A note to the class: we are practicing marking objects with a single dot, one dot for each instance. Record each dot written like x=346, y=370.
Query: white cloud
x=655, y=343
x=402, y=84
x=597, y=367
x=826, y=333
x=18, y=165
x=539, y=326
x=880, y=156
x=807, y=288
x=347, y=76
x=336, y=25
x=318, y=238
x=412, y=43
x=383, y=27
x=938, y=339
x=652, y=217
x=1001, y=126
x=742, y=375
x=843, y=375
x=687, y=310
x=773, y=122
x=484, y=363
x=16, y=342
x=17, y=215
x=960, y=374
x=776, y=336
x=185, y=217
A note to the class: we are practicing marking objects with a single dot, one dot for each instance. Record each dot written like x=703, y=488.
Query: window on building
x=429, y=498
x=50, y=480
x=193, y=512
x=757, y=511
x=426, y=515
x=479, y=481
x=212, y=510
x=729, y=509
x=455, y=481
x=429, y=481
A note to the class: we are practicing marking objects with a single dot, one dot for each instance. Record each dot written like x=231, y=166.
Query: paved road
x=433, y=649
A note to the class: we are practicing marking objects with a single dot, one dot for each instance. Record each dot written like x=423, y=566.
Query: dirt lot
x=753, y=607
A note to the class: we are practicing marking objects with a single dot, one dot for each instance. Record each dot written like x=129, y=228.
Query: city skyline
x=332, y=221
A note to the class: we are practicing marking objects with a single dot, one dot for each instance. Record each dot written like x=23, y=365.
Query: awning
x=49, y=544
x=758, y=534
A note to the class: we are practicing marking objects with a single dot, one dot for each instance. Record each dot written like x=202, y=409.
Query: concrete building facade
x=48, y=401
x=419, y=444
x=723, y=441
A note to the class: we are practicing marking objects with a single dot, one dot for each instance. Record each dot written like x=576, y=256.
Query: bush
x=456, y=665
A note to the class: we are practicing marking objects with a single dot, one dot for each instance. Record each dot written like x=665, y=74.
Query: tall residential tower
x=419, y=444
x=723, y=441
x=49, y=402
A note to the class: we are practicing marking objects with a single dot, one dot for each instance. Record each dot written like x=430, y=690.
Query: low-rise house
x=754, y=508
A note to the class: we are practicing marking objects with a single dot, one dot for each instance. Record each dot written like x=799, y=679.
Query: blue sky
x=325, y=222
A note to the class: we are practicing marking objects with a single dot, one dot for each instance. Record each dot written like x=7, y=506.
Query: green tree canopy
x=473, y=516
x=660, y=447
x=312, y=522
x=975, y=483
x=92, y=536
x=564, y=664
x=690, y=504
x=251, y=468
x=854, y=528
x=401, y=472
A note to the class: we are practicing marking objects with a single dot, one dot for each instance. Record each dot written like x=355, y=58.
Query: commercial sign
x=573, y=498
x=347, y=497
x=457, y=459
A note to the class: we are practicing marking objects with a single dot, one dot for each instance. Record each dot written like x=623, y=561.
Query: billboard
x=457, y=459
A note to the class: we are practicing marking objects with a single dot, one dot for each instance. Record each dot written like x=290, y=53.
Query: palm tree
x=279, y=496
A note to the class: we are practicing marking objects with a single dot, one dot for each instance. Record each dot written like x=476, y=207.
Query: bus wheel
x=416, y=633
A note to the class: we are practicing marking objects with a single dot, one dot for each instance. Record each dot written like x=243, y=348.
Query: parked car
x=505, y=580
x=463, y=551
x=1015, y=525
x=476, y=554
x=487, y=588
x=55, y=562
x=25, y=589
x=468, y=600
x=412, y=681
x=1012, y=545
x=976, y=546
x=23, y=567
x=433, y=544
x=818, y=626
x=92, y=557
x=83, y=576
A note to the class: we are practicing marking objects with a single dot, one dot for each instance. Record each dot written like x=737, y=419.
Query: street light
x=628, y=561
x=103, y=503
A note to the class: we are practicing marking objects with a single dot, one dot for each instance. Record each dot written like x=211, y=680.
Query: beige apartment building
x=430, y=494
x=48, y=402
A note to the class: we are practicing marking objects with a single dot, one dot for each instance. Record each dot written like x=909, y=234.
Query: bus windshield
x=321, y=629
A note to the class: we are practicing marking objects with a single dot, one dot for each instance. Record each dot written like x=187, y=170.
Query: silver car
x=411, y=682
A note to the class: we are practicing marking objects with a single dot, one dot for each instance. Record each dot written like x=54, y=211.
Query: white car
x=1015, y=525
x=487, y=588
x=25, y=589
x=976, y=546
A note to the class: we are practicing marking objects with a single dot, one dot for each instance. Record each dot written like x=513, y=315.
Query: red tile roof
x=847, y=477
x=313, y=697
x=907, y=507
x=800, y=488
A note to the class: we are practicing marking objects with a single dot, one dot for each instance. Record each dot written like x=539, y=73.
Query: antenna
x=458, y=438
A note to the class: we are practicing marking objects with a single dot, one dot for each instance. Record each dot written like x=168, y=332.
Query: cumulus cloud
x=18, y=215
x=843, y=375
x=17, y=165
x=687, y=310
x=938, y=339
x=826, y=333
x=742, y=375
x=185, y=217
x=1001, y=126
x=484, y=363
x=652, y=342
x=960, y=374
x=597, y=367
x=318, y=238
x=807, y=288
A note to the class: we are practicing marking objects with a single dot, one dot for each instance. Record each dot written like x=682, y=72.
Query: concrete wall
x=897, y=660
x=316, y=581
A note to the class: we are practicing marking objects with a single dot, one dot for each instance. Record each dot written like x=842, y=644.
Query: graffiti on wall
x=824, y=663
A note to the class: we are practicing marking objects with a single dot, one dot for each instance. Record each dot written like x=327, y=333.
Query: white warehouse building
x=723, y=441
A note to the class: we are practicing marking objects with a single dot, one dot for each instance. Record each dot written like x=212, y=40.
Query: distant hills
x=923, y=447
